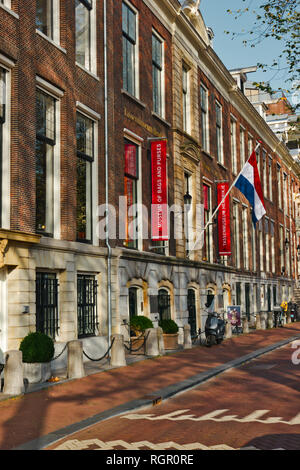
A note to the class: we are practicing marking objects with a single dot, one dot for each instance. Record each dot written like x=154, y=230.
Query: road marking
x=75, y=444
x=213, y=416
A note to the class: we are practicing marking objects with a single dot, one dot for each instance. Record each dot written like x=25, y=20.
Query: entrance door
x=164, y=305
x=133, y=311
x=191, y=304
x=269, y=298
x=3, y=315
x=247, y=301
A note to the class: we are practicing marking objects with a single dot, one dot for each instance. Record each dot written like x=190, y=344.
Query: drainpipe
x=109, y=250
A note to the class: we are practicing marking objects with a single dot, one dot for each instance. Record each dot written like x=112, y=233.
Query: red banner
x=159, y=213
x=224, y=221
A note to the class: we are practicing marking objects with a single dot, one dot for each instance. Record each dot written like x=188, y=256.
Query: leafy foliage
x=139, y=323
x=168, y=326
x=37, y=347
x=276, y=19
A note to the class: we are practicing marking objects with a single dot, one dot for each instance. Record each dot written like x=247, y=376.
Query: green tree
x=279, y=20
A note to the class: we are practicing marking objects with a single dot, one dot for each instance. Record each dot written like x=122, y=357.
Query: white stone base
x=36, y=372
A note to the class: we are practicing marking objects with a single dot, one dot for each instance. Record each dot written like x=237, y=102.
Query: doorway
x=191, y=305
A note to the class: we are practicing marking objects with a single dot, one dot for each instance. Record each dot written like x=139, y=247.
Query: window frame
x=135, y=56
x=90, y=62
x=219, y=133
x=89, y=159
x=186, y=98
x=204, y=118
x=93, y=319
x=233, y=144
x=160, y=111
x=48, y=160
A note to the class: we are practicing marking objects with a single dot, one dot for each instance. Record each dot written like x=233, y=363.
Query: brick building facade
x=60, y=155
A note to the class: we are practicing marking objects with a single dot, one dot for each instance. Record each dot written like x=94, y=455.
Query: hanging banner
x=159, y=209
x=224, y=221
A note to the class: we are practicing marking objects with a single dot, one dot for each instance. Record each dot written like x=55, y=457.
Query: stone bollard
x=257, y=322
x=270, y=320
x=245, y=326
x=151, y=345
x=187, y=337
x=288, y=317
x=75, y=369
x=228, y=330
x=13, y=373
x=117, y=358
x=160, y=338
x=263, y=321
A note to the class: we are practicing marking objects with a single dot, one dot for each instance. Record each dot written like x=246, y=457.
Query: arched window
x=164, y=304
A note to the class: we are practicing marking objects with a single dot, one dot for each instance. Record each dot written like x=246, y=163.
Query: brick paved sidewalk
x=36, y=414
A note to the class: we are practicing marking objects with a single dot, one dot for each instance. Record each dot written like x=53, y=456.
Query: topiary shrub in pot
x=170, y=333
x=38, y=350
x=138, y=324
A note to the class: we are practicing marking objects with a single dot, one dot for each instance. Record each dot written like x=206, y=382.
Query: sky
x=232, y=52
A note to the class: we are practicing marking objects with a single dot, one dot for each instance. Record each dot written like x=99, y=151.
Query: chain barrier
x=135, y=341
x=102, y=357
x=61, y=352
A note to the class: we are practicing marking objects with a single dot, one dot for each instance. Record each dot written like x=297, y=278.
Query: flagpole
x=222, y=201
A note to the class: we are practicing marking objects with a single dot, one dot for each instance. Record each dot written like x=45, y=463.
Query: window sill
x=8, y=10
x=51, y=41
x=222, y=166
x=161, y=119
x=87, y=71
x=133, y=98
x=207, y=154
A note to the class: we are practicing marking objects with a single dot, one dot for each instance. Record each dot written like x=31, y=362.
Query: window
x=204, y=118
x=44, y=17
x=219, y=133
x=45, y=144
x=285, y=193
x=233, y=145
x=250, y=145
x=85, y=159
x=87, y=306
x=236, y=233
x=267, y=237
x=2, y=122
x=164, y=304
x=279, y=187
x=253, y=241
x=288, y=252
x=261, y=245
x=131, y=178
x=265, y=188
x=83, y=32
x=281, y=241
x=157, y=75
x=272, y=236
x=129, y=29
x=47, y=304
x=188, y=209
x=245, y=238
x=243, y=156
x=207, y=245
x=185, y=99
x=270, y=180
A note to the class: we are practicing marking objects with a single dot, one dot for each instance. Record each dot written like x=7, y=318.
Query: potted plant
x=138, y=324
x=38, y=350
x=170, y=333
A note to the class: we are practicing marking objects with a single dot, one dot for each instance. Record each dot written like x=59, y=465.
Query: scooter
x=214, y=329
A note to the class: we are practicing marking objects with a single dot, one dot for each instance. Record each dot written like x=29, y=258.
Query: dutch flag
x=248, y=182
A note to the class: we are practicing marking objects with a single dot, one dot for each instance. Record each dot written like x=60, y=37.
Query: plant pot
x=36, y=372
x=137, y=345
x=170, y=340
